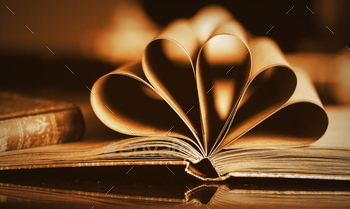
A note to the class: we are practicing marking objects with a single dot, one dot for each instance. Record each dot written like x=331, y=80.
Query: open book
x=209, y=96
x=206, y=90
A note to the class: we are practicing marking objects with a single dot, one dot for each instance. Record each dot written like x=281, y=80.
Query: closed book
x=27, y=122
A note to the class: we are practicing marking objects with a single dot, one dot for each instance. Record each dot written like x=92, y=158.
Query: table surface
x=157, y=186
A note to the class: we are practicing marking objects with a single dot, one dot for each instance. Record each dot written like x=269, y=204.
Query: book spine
x=41, y=129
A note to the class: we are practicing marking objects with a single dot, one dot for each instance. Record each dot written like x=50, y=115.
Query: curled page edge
x=131, y=70
x=311, y=97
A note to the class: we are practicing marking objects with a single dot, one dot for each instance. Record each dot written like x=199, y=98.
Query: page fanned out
x=128, y=104
x=299, y=121
x=222, y=72
x=169, y=64
x=221, y=84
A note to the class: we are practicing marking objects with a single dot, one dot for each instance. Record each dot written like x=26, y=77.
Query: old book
x=214, y=99
x=206, y=195
x=27, y=122
x=206, y=91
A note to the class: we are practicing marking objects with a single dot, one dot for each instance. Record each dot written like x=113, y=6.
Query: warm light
x=223, y=92
x=207, y=20
x=225, y=50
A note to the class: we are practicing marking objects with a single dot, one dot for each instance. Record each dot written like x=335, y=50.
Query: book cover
x=27, y=122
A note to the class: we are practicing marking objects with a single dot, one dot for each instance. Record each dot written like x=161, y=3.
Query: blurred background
x=58, y=49
x=40, y=40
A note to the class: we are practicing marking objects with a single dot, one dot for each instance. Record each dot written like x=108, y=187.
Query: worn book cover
x=32, y=122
